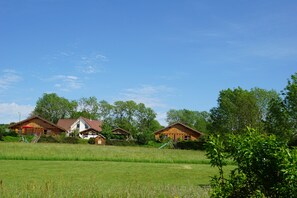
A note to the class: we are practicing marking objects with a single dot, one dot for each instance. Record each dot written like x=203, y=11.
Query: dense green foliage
x=190, y=145
x=195, y=119
x=53, y=107
x=282, y=114
x=138, y=119
x=266, y=167
x=236, y=110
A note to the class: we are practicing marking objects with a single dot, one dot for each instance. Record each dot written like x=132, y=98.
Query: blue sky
x=167, y=54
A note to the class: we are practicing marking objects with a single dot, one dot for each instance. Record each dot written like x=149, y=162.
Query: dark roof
x=122, y=131
x=178, y=123
x=36, y=117
x=101, y=136
x=67, y=123
x=89, y=129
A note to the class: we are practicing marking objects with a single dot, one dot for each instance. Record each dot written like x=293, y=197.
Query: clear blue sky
x=167, y=54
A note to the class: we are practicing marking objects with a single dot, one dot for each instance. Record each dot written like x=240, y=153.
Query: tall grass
x=68, y=152
x=102, y=179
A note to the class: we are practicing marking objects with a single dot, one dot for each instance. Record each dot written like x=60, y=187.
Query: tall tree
x=88, y=108
x=237, y=109
x=282, y=114
x=52, y=107
x=263, y=98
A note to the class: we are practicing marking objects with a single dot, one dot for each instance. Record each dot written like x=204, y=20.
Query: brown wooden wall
x=178, y=132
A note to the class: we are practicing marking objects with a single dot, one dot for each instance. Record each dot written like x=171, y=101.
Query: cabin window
x=187, y=137
x=45, y=132
x=77, y=126
x=86, y=126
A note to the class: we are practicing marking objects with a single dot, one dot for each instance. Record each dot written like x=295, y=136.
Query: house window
x=187, y=137
x=86, y=126
x=77, y=126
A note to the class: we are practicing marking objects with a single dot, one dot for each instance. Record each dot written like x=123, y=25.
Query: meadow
x=63, y=170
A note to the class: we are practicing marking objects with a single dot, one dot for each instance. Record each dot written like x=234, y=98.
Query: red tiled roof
x=94, y=124
x=67, y=123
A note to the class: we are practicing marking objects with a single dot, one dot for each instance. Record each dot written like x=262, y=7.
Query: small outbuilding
x=178, y=132
x=100, y=140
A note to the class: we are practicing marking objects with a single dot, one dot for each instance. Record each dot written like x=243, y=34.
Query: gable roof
x=89, y=129
x=67, y=123
x=181, y=124
x=122, y=131
x=94, y=124
x=32, y=118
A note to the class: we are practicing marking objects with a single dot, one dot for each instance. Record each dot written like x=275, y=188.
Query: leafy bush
x=266, y=167
x=47, y=139
x=91, y=141
x=189, y=145
x=82, y=141
x=71, y=140
x=121, y=142
x=11, y=139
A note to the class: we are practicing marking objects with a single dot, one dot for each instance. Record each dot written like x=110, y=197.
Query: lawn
x=101, y=171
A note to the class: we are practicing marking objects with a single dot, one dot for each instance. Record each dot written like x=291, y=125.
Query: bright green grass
x=64, y=170
x=78, y=152
x=22, y=178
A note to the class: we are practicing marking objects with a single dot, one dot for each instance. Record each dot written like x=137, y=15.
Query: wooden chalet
x=36, y=125
x=120, y=133
x=178, y=132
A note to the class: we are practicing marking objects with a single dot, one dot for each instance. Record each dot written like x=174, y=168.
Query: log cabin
x=36, y=125
x=178, y=132
x=120, y=133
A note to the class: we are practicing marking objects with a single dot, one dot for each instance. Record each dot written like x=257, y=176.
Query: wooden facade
x=100, y=140
x=178, y=132
x=120, y=133
x=36, y=125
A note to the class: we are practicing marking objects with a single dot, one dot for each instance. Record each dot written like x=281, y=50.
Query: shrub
x=121, y=142
x=47, y=139
x=189, y=145
x=71, y=140
x=91, y=141
x=11, y=139
x=266, y=167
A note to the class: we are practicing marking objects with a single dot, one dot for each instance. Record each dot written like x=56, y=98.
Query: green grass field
x=63, y=170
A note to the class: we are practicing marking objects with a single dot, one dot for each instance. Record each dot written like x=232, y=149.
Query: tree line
x=264, y=110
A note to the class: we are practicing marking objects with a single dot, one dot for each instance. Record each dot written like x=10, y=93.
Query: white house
x=86, y=128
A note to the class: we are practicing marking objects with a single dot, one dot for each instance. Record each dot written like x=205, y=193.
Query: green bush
x=189, y=145
x=82, y=141
x=266, y=167
x=121, y=142
x=71, y=140
x=11, y=139
x=47, y=139
x=91, y=141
